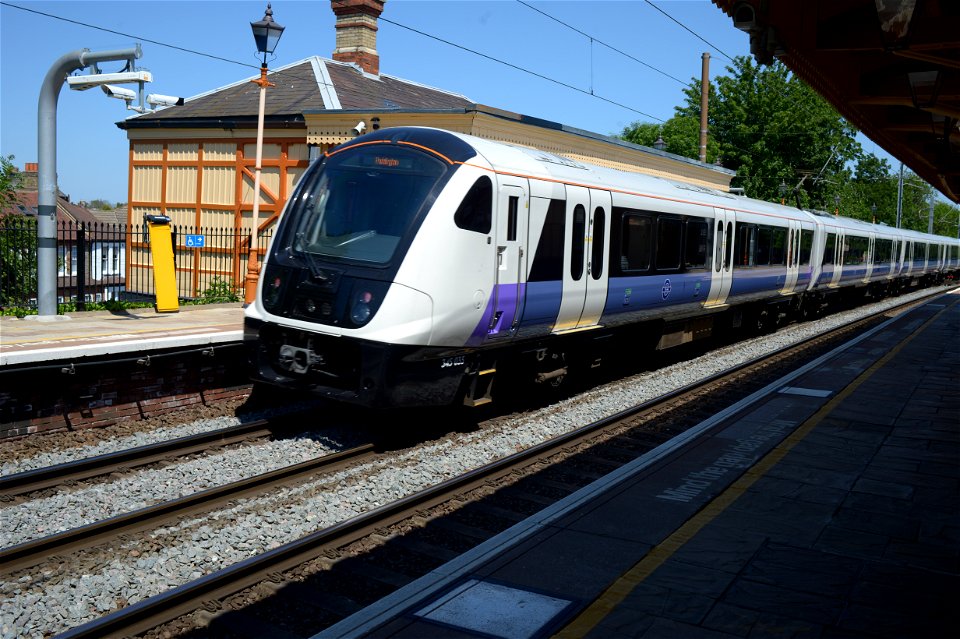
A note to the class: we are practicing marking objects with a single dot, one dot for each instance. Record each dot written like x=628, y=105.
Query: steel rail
x=65, y=473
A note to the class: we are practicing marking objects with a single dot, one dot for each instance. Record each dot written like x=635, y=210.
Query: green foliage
x=18, y=260
x=220, y=290
x=787, y=143
x=103, y=205
x=681, y=135
x=10, y=179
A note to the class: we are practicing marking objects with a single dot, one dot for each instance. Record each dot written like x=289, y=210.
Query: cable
x=593, y=39
x=127, y=35
x=518, y=68
x=720, y=51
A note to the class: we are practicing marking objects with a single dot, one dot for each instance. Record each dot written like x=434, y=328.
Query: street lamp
x=659, y=145
x=783, y=192
x=873, y=209
x=836, y=202
x=266, y=33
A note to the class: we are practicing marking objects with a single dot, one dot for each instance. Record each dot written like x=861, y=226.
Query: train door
x=510, y=265
x=838, y=255
x=793, y=257
x=721, y=275
x=575, y=257
x=597, y=256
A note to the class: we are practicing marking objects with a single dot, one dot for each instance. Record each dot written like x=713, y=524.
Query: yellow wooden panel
x=219, y=151
x=293, y=176
x=183, y=151
x=181, y=184
x=269, y=178
x=219, y=183
x=270, y=152
x=148, y=152
x=182, y=218
x=298, y=152
x=222, y=222
x=146, y=183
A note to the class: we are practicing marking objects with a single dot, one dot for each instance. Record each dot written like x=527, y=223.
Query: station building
x=195, y=163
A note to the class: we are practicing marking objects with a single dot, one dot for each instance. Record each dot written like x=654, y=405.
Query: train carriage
x=414, y=266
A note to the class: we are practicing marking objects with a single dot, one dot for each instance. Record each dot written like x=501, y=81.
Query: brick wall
x=101, y=393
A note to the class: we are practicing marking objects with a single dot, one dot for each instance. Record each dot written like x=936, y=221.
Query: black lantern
x=267, y=33
x=659, y=145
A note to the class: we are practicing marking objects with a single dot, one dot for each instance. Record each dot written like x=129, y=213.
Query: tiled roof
x=28, y=204
x=308, y=85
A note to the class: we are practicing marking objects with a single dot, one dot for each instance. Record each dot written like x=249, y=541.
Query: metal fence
x=102, y=264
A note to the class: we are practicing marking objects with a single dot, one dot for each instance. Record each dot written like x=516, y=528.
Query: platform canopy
x=890, y=67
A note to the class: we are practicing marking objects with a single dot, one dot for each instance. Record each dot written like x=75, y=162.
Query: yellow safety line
x=618, y=591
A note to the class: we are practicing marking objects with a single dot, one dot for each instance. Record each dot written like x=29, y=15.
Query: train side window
x=764, y=243
x=746, y=245
x=696, y=247
x=882, y=251
x=806, y=247
x=829, y=248
x=728, y=260
x=513, y=205
x=778, y=245
x=718, y=260
x=599, y=239
x=577, y=242
x=669, y=242
x=856, y=250
x=475, y=213
x=635, y=239
x=547, y=264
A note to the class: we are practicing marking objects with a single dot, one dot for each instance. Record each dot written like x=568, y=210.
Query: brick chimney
x=357, y=32
x=29, y=177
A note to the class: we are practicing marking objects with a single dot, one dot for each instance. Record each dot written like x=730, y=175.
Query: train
x=416, y=267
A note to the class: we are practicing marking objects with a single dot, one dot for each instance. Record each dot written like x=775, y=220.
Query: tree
x=10, y=179
x=681, y=135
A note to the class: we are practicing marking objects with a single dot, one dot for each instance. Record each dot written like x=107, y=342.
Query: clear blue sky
x=92, y=153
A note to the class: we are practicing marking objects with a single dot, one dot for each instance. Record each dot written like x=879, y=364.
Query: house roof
x=28, y=204
x=311, y=84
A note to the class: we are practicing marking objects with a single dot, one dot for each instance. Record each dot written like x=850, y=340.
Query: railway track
x=328, y=575
x=69, y=473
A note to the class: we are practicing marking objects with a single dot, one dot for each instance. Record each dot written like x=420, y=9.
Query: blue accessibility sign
x=194, y=241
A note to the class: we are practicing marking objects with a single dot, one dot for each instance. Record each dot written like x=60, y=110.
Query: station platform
x=826, y=505
x=61, y=338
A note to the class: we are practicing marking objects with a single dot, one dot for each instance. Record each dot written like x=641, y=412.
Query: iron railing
x=104, y=264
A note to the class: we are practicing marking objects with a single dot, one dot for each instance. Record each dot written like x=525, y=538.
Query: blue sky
x=662, y=56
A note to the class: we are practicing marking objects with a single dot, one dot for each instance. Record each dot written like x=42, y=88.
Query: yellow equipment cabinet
x=164, y=267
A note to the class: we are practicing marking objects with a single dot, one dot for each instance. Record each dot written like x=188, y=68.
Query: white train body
x=415, y=266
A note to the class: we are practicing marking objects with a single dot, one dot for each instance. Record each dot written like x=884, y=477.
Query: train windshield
x=362, y=202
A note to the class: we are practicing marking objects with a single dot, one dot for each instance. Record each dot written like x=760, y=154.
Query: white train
x=415, y=266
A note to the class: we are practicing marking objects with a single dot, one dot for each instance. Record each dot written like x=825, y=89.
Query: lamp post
x=783, y=192
x=873, y=209
x=836, y=202
x=266, y=33
x=659, y=145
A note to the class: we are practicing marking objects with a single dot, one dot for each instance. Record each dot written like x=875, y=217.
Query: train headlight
x=360, y=311
x=273, y=288
x=365, y=299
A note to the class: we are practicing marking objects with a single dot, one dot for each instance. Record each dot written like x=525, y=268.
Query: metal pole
x=900, y=196
x=704, y=98
x=930, y=220
x=253, y=269
x=47, y=168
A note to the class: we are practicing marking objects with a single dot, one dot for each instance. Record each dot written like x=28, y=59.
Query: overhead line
x=698, y=36
x=593, y=39
x=518, y=68
x=128, y=35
